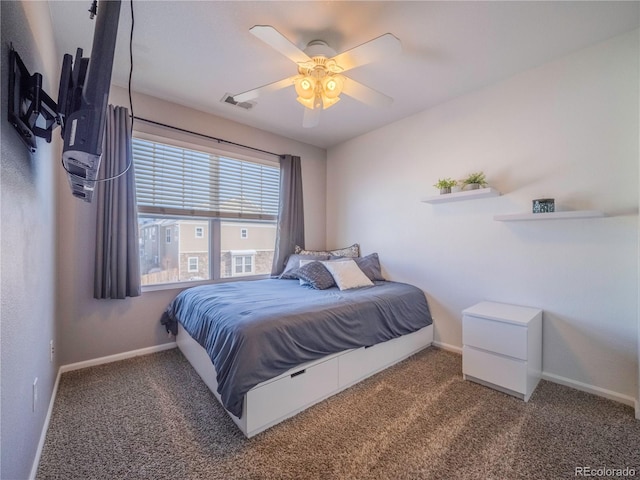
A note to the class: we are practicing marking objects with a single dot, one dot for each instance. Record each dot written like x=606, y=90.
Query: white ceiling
x=193, y=53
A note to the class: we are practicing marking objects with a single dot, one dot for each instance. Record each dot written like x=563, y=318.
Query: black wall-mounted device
x=82, y=103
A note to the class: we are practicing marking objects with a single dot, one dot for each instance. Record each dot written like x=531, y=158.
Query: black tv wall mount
x=31, y=111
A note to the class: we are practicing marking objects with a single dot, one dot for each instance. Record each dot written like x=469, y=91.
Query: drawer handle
x=298, y=373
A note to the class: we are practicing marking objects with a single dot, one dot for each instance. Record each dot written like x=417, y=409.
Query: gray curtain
x=290, y=230
x=117, y=267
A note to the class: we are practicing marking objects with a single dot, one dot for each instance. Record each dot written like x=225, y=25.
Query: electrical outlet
x=35, y=394
x=52, y=351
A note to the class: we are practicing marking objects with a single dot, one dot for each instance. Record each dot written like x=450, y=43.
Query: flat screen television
x=82, y=102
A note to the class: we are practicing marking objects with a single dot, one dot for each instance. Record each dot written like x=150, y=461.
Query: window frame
x=234, y=153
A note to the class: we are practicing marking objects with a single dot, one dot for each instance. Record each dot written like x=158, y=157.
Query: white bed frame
x=281, y=397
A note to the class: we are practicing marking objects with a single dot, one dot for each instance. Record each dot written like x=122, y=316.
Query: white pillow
x=347, y=274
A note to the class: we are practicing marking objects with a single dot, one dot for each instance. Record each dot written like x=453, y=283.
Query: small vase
x=472, y=186
x=445, y=190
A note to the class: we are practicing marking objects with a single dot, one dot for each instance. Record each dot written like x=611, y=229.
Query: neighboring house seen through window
x=206, y=199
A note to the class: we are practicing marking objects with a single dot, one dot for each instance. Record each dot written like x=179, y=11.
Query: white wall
x=568, y=130
x=27, y=206
x=92, y=328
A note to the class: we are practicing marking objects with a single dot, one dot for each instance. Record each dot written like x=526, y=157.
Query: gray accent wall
x=28, y=257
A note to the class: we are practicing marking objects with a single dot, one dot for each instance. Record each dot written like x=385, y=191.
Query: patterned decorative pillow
x=301, y=251
x=316, y=275
x=370, y=266
x=351, y=251
x=293, y=264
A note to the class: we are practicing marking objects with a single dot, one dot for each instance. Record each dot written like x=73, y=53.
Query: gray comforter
x=256, y=330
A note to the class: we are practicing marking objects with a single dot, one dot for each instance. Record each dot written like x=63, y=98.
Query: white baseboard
x=78, y=366
x=117, y=357
x=45, y=427
x=448, y=347
x=568, y=382
x=585, y=387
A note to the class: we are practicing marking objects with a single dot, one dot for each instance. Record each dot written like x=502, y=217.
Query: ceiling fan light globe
x=329, y=102
x=332, y=86
x=307, y=102
x=305, y=87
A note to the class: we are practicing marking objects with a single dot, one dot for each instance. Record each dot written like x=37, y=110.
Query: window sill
x=185, y=285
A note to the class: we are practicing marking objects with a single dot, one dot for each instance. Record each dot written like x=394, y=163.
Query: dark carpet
x=152, y=417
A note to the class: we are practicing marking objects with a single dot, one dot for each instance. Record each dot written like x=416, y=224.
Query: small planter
x=474, y=181
x=445, y=184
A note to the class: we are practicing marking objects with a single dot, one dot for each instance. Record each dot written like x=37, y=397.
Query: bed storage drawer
x=363, y=362
x=287, y=395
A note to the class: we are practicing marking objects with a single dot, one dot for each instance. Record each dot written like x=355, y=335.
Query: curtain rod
x=219, y=140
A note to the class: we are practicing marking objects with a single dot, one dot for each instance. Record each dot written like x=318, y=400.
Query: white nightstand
x=502, y=347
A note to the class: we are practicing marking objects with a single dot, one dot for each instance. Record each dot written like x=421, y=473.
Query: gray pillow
x=370, y=266
x=316, y=275
x=293, y=263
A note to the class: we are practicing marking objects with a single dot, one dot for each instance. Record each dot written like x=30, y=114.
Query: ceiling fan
x=319, y=82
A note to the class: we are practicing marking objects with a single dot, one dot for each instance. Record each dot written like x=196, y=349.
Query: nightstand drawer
x=502, y=371
x=504, y=338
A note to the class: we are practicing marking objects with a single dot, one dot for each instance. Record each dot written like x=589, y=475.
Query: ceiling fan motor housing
x=319, y=48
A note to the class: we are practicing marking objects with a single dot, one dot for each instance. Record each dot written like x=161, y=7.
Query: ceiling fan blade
x=311, y=117
x=275, y=39
x=256, y=92
x=384, y=46
x=365, y=94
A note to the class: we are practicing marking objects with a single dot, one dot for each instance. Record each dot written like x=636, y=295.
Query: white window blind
x=177, y=181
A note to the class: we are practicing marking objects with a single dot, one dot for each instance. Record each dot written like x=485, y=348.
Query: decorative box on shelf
x=543, y=205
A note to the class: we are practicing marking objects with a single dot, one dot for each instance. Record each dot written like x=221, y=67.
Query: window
x=192, y=264
x=204, y=198
x=242, y=265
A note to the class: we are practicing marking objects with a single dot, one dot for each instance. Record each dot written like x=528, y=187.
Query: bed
x=270, y=348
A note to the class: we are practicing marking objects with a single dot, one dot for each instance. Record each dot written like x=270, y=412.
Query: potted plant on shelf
x=445, y=184
x=473, y=181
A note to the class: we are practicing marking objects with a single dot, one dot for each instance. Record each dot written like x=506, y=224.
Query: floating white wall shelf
x=464, y=195
x=517, y=217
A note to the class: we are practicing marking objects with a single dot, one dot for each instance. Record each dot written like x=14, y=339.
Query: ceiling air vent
x=228, y=98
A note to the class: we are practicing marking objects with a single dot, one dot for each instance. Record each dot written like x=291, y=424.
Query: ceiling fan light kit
x=319, y=82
